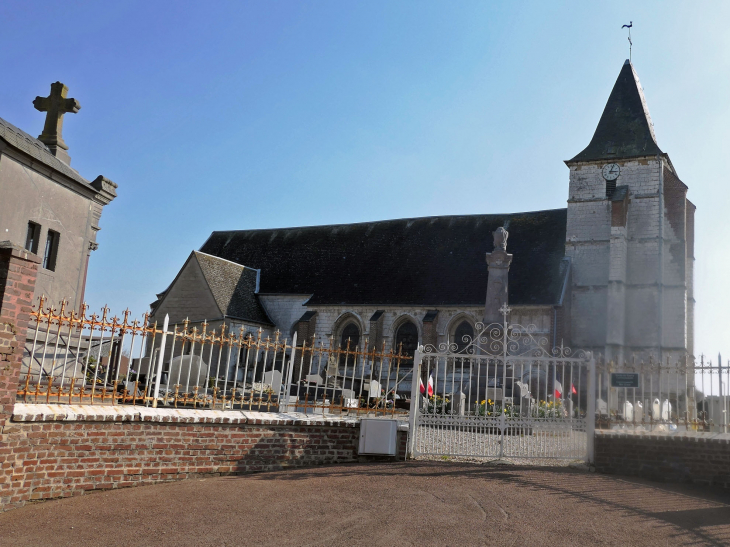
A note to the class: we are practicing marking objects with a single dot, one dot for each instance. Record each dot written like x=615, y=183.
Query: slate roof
x=20, y=140
x=625, y=129
x=233, y=287
x=417, y=261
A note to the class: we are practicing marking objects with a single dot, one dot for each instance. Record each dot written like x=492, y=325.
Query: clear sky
x=235, y=115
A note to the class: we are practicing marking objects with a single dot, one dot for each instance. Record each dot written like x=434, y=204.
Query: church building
x=610, y=273
x=46, y=206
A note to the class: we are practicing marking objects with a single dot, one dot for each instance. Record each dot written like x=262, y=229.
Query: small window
x=51, y=252
x=463, y=337
x=406, y=337
x=351, y=335
x=610, y=188
x=32, y=237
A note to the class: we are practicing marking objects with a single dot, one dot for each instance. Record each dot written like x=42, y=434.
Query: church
x=612, y=272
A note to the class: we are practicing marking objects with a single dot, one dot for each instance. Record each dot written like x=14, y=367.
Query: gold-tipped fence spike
x=125, y=319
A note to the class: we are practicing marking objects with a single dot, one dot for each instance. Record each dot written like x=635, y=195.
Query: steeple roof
x=625, y=129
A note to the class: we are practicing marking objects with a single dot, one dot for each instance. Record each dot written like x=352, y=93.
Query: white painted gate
x=506, y=394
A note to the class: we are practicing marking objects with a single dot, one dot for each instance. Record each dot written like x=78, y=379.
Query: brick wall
x=61, y=452
x=18, y=270
x=695, y=458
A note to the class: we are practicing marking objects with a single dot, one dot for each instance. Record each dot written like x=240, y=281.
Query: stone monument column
x=498, y=262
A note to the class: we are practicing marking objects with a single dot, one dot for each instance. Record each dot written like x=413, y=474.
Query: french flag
x=430, y=386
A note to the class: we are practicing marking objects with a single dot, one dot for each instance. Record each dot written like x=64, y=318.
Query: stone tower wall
x=630, y=257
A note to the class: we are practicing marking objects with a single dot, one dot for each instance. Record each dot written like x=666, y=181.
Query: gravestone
x=458, y=403
x=273, y=378
x=314, y=379
x=348, y=398
x=187, y=370
x=628, y=411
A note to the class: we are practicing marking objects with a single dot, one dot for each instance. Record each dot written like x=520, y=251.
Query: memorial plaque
x=624, y=379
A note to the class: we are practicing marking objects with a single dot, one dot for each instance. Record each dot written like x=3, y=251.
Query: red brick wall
x=18, y=270
x=43, y=457
x=666, y=458
x=42, y=460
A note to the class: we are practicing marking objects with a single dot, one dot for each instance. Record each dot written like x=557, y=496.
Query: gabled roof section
x=429, y=261
x=625, y=129
x=233, y=287
x=33, y=147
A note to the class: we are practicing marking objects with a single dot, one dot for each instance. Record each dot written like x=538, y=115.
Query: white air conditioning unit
x=378, y=437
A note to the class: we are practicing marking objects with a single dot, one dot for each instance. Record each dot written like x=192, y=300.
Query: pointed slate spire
x=625, y=129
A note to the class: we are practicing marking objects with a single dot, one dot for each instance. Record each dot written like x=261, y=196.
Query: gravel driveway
x=415, y=503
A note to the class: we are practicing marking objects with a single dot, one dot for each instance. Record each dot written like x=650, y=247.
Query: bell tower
x=630, y=236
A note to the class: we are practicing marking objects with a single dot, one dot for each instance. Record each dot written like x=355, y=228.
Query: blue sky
x=234, y=115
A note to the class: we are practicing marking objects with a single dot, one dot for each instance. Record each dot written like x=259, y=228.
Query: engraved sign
x=624, y=379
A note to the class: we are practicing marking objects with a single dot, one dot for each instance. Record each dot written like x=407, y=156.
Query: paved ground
x=418, y=503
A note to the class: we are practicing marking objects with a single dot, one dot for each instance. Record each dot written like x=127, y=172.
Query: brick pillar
x=18, y=271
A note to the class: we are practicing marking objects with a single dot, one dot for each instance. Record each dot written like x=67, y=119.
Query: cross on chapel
x=56, y=105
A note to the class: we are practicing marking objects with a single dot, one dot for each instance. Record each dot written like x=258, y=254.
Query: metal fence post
x=591, y=411
x=289, y=372
x=160, y=360
x=415, y=401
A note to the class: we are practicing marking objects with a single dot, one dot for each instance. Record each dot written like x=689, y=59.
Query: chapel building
x=611, y=273
x=46, y=206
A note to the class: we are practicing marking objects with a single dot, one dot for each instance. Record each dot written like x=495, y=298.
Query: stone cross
x=56, y=105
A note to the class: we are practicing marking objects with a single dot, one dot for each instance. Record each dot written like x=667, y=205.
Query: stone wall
x=284, y=310
x=331, y=320
x=630, y=287
x=698, y=458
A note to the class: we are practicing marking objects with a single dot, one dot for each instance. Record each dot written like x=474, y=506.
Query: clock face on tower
x=611, y=171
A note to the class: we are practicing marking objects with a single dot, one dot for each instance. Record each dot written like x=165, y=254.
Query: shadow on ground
x=412, y=503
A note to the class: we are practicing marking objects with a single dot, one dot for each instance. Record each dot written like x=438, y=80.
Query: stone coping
x=696, y=436
x=24, y=412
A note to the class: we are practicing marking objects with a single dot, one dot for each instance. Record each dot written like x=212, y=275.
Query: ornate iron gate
x=506, y=394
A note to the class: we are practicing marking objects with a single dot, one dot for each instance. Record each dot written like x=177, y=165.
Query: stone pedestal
x=498, y=262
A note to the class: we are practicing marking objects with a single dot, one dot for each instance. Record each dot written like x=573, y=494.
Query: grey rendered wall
x=188, y=297
x=30, y=196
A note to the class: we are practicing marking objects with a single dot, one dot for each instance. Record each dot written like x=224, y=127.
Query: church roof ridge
x=20, y=140
x=432, y=261
x=404, y=219
x=625, y=129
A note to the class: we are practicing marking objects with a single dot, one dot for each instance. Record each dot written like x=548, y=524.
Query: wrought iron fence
x=667, y=396
x=504, y=392
x=73, y=358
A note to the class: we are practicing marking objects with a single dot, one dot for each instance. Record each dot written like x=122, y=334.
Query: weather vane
x=631, y=24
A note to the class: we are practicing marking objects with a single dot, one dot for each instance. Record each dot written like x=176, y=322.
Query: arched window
x=351, y=332
x=463, y=336
x=407, y=334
